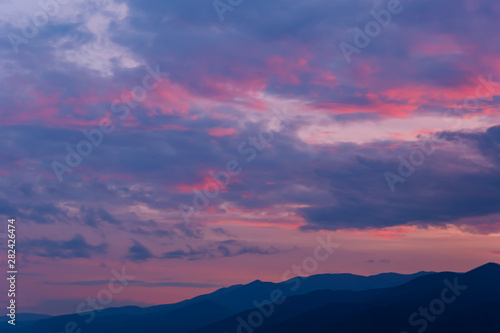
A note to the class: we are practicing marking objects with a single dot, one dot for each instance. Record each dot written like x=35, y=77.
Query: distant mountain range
x=425, y=301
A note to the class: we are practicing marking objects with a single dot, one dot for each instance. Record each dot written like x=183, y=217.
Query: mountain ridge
x=345, y=308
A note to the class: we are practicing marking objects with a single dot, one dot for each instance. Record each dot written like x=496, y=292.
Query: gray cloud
x=77, y=247
x=228, y=248
x=138, y=253
x=438, y=192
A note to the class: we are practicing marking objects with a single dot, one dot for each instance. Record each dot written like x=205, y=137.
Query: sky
x=199, y=144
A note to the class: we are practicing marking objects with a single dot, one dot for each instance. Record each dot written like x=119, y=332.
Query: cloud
x=189, y=231
x=149, y=228
x=348, y=123
x=345, y=190
x=161, y=284
x=26, y=189
x=382, y=261
x=7, y=209
x=176, y=284
x=452, y=184
x=191, y=254
x=93, y=218
x=77, y=247
x=138, y=253
x=421, y=68
x=77, y=283
x=228, y=248
x=222, y=232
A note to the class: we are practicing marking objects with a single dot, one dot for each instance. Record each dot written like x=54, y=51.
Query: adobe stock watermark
x=436, y=307
x=220, y=180
x=408, y=164
x=38, y=20
x=266, y=308
x=222, y=7
x=119, y=107
x=103, y=298
x=361, y=39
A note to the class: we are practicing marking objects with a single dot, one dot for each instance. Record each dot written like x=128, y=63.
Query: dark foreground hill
x=434, y=302
x=441, y=302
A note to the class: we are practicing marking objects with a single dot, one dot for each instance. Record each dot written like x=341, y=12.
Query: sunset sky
x=390, y=149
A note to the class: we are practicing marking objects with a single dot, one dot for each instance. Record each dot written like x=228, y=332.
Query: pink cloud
x=221, y=131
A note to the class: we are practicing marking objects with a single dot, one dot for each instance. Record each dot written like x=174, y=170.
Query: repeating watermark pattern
x=120, y=107
x=437, y=306
x=103, y=298
x=265, y=309
x=220, y=180
x=38, y=20
x=408, y=164
x=222, y=7
x=373, y=28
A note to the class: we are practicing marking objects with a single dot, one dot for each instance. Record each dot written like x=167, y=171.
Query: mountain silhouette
x=389, y=302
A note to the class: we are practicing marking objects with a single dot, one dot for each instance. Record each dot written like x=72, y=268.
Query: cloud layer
x=153, y=133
